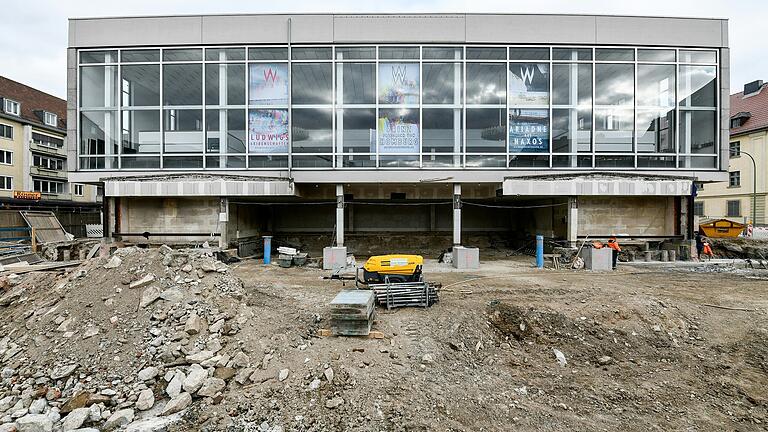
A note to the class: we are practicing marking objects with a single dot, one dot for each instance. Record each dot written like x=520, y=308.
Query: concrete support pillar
x=335, y=257
x=573, y=221
x=339, y=215
x=224, y=223
x=456, y=214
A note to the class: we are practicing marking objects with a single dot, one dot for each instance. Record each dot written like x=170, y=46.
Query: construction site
x=101, y=336
x=407, y=222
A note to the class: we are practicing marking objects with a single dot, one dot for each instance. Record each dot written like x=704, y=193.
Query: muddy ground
x=645, y=349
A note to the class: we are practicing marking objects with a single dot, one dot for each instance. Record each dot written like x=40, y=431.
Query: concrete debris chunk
x=62, y=371
x=148, y=373
x=149, y=296
x=194, y=324
x=146, y=400
x=211, y=386
x=175, y=385
x=195, y=378
x=177, y=404
x=334, y=403
x=113, y=262
x=118, y=419
x=75, y=419
x=283, y=375
x=34, y=423
x=146, y=280
x=153, y=424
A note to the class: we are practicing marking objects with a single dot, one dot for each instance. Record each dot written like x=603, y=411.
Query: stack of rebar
x=352, y=313
x=394, y=295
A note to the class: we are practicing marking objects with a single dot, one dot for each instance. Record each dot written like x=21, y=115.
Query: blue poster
x=399, y=83
x=268, y=131
x=528, y=131
x=268, y=84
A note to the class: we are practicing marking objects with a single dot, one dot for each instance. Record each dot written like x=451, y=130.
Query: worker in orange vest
x=613, y=244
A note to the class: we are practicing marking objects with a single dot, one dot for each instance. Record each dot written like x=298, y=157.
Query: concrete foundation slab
x=597, y=259
x=466, y=258
x=334, y=258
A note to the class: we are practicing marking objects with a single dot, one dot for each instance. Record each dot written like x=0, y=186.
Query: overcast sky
x=34, y=39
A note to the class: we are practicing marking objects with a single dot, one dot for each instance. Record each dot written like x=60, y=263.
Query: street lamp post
x=754, y=187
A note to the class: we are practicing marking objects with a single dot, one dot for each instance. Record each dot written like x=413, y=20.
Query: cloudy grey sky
x=35, y=32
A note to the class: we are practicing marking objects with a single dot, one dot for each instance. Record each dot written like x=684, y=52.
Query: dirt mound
x=740, y=247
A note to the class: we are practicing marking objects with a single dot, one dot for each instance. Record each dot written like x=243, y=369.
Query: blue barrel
x=267, y=249
x=539, y=251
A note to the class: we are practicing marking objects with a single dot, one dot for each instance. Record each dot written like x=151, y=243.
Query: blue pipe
x=267, y=249
x=539, y=251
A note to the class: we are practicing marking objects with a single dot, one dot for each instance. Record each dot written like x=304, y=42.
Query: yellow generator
x=395, y=268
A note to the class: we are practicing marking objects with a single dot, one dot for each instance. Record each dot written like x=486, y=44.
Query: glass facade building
x=398, y=106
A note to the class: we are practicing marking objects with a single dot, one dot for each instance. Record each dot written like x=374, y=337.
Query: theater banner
x=399, y=83
x=397, y=133
x=528, y=84
x=528, y=130
x=268, y=84
x=268, y=131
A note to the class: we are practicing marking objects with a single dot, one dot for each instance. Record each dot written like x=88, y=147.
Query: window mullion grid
x=634, y=112
x=549, y=114
x=334, y=84
x=162, y=110
x=376, y=120
x=593, y=139
x=463, y=154
x=421, y=103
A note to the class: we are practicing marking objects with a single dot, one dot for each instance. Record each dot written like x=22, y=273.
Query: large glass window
x=98, y=132
x=311, y=83
x=572, y=130
x=697, y=86
x=224, y=84
x=614, y=84
x=98, y=86
x=572, y=84
x=225, y=131
x=183, y=84
x=398, y=106
x=140, y=85
x=356, y=83
x=697, y=132
x=656, y=109
x=486, y=130
x=356, y=130
x=614, y=129
x=486, y=83
x=442, y=83
x=183, y=130
x=312, y=131
x=442, y=130
x=141, y=131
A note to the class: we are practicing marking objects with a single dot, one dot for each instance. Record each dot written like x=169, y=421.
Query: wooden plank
x=374, y=334
x=40, y=267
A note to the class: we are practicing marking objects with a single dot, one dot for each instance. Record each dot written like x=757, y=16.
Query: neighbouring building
x=33, y=158
x=734, y=198
x=400, y=130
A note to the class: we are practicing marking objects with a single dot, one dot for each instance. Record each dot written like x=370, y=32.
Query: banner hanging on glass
x=399, y=83
x=528, y=130
x=268, y=84
x=268, y=131
x=398, y=131
x=528, y=84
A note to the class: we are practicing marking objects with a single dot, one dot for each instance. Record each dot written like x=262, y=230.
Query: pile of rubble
x=125, y=342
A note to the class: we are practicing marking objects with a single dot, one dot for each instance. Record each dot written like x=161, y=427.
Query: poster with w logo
x=399, y=83
x=268, y=84
x=528, y=84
